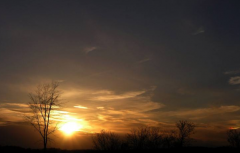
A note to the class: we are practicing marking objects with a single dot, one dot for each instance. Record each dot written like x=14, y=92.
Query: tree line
x=145, y=138
x=152, y=138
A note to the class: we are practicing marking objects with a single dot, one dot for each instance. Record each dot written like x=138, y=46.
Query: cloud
x=130, y=109
x=73, y=93
x=234, y=80
x=102, y=108
x=198, y=31
x=16, y=112
x=111, y=96
x=89, y=49
x=81, y=107
x=10, y=116
x=143, y=60
x=122, y=120
x=13, y=105
x=130, y=112
x=203, y=112
x=232, y=72
x=107, y=109
x=103, y=92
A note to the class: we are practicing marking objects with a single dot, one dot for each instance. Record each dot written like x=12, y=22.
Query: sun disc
x=70, y=127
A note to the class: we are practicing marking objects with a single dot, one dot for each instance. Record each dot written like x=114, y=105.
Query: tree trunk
x=45, y=147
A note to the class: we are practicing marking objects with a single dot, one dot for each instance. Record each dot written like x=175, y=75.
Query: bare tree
x=43, y=102
x=234, y=138
x=144, y=138
x=107, y=141
x=185, y=130
x=169, y=139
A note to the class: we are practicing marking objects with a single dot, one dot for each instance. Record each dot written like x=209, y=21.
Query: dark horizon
x=121, y=65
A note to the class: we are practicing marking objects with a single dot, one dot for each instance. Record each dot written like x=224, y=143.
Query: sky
x=121, y=65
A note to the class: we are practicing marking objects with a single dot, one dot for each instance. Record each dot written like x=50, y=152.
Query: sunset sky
x=121, y=64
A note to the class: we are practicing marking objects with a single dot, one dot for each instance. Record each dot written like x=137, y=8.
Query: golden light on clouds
x=81, y=107
x=233, y=128
x=108, y=96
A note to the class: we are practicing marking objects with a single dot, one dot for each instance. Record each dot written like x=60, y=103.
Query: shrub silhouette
x=169, y=139
x=107, y=141
x=234, y=138
x=144, y=138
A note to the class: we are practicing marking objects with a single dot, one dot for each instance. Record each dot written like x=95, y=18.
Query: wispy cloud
x=14, y=105
x=234, y=80
x=73, y=93
x=112, y=96
x=102, y=92
x=203, y=112
x=107, y=108
x=131, y=109
x=128, y=119
x=11, y=116
x=89, y=49
x=81, y=107
x=232, y=72
x=102, y=108
x=143, y=61
x=199, y=31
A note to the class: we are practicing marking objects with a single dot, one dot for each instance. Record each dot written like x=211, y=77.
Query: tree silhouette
x=185, y=129
x=43, y=102
x=145, y=138
x=234, y=138
x=107, y=141
x=170, y=139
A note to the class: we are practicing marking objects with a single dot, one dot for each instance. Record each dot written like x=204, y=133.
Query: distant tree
x=106, y=141
x=184, y=130
x=144, y=138
x=234, y=138
x=42, y=102
x=170, y=139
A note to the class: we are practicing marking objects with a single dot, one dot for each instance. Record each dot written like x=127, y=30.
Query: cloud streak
x=81, y=107
x=201, y=113
x=143, y=61
x=111, y=96
x=234, y=80
x=199, y=31
x=232, y=72
x=13, y=105
x=89, y=49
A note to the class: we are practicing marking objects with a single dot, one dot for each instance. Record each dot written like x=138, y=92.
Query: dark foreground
x=14, y=149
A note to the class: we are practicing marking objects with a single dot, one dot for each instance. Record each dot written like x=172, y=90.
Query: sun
x=70, y=127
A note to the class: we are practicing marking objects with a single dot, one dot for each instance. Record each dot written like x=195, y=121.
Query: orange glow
x=70, y=127
x=233, y=128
